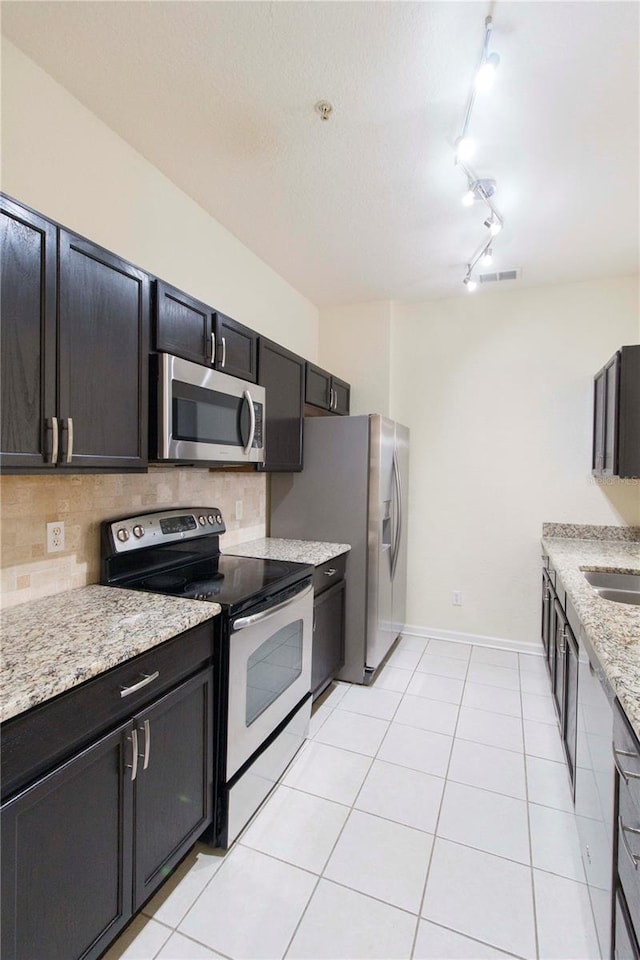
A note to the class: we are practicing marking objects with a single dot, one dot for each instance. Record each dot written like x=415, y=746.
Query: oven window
x=273, y=667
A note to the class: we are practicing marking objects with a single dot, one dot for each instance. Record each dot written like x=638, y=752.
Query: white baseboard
x=518, y=646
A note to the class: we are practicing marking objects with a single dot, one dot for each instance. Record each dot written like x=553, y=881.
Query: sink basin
x=620, y=587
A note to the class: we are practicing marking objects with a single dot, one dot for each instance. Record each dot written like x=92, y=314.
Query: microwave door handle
x=249, y=621
x=252, y=420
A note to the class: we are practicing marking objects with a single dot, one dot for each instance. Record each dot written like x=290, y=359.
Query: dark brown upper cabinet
x=325, y=391
x=103, y=344
x=75, y=325
x=27, y=336
x=236, y=348
x=186, y=327
x=183, y=325
x=616, y=416
x=282, y=373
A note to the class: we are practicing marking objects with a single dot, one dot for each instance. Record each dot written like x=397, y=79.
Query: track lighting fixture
x=479, y=189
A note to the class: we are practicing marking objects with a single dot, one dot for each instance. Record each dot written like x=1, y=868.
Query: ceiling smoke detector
x=324, y=108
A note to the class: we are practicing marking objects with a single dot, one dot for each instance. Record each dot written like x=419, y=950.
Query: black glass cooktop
x=233, y=582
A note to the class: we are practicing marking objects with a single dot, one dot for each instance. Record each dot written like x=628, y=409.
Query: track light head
x=486, y=74
x=465, y=148
x=468, y=198
x=470, y=283
x=493, y=225
x=487, y=257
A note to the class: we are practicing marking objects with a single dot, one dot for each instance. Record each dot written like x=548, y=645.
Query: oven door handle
x=252, y=421
x=254, y=618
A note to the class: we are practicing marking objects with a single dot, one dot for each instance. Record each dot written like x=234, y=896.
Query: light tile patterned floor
x=427, y=816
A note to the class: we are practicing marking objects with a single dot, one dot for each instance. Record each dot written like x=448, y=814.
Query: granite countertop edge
x=612, y=628
x=53, y=644
x=315, y=552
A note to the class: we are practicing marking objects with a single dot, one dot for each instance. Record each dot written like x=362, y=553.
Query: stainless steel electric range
x=263, y=649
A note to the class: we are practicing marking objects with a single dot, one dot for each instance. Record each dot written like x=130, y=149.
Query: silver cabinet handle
x=69, y=428
x=635, y=858
x=53, y=421
x=147, y=743
x=147, y=678
x=252, y=415
x=133, y=766
x=625, y=774
x=213, y=347
x=243, y=622
x=330, y=572
x=224, y=352
x=331, y=398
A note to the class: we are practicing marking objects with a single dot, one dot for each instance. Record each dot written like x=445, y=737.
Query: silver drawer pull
x=625, y=774
x=147, y=678
x=635, y=858
x=133, y=766
x=147, y=744
x=330, y=572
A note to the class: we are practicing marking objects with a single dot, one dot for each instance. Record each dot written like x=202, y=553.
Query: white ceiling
x=220, y=95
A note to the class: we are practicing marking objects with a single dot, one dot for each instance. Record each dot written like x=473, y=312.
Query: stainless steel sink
x=620, y=587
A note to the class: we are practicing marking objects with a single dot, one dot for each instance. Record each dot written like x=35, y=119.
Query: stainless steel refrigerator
x=354, y=489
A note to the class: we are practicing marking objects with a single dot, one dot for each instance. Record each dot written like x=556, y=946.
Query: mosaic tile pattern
x=53, y=644
x=83, y=501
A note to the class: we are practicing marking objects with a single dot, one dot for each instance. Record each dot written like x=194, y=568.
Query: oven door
x=207, y=415
x=269, y=671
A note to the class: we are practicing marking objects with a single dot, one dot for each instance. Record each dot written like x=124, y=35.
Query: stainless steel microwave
x=204, y=415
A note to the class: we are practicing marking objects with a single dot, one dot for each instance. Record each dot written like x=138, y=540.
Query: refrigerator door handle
x=399, y=523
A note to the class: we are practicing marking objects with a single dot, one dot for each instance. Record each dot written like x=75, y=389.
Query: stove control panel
x=164, y=526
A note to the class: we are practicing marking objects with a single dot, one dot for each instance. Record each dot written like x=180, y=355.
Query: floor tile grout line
x=536, y=932
x=437, y=823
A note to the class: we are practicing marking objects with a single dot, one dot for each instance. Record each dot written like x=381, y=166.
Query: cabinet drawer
x=329, y=573
x=628, y=828
x=36, y=740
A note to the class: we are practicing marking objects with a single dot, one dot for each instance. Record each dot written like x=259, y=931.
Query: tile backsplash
x=82, y=501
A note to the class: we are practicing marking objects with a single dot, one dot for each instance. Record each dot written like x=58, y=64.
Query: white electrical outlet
x=238, y=509
x=456, y=599
x=55, y=536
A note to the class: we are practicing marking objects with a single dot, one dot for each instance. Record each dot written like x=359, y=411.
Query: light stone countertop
x=52, y=644
x=315, y=552
x=612, y=628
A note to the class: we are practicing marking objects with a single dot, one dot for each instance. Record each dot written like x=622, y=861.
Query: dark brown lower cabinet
x=87, y=844
x=328, y=624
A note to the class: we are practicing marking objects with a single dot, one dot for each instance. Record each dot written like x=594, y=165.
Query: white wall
x=58, y=158
x=497, y=391
x=355, y=344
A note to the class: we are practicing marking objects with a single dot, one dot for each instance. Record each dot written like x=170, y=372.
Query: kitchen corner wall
x=355, y=344
x=497, y=392
x=29, y=503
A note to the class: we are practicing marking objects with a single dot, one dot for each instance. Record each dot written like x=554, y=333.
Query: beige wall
x=60, y=159
x=496, y=389
x=81, y=502
x=355, y=344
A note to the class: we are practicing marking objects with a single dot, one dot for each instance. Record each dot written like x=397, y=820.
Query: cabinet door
x=341, y=396
x=328, y=637
x=27, y=336
x=610, y=440
x=174, y=781
x=570, y=712
x=598, y=424
x=66, y=879
x=318, y=387
x=183, y=325
x=559, y=656
x=103, y=330
x=236, y=348
x=281, y=373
